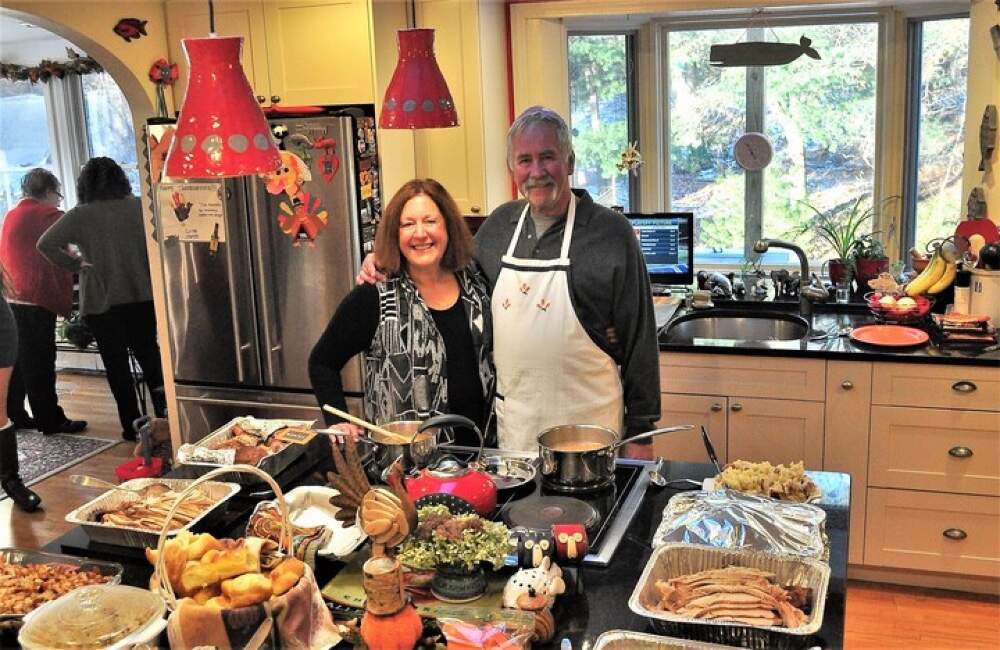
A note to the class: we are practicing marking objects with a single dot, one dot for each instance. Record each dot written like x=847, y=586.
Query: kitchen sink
x=734, y=325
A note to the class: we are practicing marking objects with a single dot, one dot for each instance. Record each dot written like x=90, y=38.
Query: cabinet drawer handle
x=275, y=99
x=955, y=533
x=960, y=452
x=261, y=99
x=847, y=384
x=963, y=386
x=716, y=407
x=736, y=407
x=475, y=209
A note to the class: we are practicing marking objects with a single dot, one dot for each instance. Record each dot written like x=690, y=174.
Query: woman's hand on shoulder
x=370, y=273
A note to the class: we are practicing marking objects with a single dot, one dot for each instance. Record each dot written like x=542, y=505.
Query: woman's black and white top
x=418, y=361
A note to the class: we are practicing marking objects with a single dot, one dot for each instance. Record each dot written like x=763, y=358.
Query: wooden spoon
x=397, y=438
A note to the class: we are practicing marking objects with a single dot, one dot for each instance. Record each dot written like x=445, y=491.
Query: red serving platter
x=895, y=336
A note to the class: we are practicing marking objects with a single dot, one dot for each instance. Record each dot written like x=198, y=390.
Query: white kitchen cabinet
x=779, y=431
x=319, y=51
x=295, y=52
x=470, y=159
x=190, y=20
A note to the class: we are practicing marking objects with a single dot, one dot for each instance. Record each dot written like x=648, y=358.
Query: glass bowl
x=898, y=307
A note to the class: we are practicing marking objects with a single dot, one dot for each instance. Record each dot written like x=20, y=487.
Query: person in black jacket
x=10, y=479
x=425, y=332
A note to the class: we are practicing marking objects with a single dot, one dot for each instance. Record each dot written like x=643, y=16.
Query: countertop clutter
x=597, y=591
x=835, y=320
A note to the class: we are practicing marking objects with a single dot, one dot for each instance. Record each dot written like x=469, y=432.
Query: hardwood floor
x=878, y=616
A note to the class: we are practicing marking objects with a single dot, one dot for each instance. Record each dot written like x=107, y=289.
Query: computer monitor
x=665, y=240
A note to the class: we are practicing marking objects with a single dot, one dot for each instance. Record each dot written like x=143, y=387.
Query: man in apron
x=574, y=329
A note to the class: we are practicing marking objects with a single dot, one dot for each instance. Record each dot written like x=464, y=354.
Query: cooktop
x=615, y=504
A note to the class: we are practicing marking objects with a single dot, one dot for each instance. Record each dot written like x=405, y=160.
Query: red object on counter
x=221, y=130
x=471, y=485
x=417, y=97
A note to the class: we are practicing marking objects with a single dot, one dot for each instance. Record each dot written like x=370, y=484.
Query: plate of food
x=313, y=520
x=246, y=441
x=135, y=519
x=33, y=578
x=782, y=482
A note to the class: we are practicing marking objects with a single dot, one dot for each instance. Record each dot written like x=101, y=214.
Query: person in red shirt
x=37, y=291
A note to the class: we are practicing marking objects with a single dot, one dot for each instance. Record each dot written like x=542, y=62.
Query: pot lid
x=96, y=616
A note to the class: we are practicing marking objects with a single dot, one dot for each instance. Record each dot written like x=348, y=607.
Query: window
x=939, y=59
x=601, y=108
x=109, y=124
x=24, y=137
x=818, y=115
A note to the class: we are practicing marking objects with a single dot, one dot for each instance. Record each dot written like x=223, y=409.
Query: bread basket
x=163, y=586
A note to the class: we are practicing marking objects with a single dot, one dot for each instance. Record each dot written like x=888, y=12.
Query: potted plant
x=869, y=258
x=455, y=546
x=840, y=228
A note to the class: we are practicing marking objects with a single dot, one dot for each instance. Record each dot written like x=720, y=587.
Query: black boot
x=10, y=481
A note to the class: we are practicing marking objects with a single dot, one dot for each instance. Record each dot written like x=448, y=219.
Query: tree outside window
x=819, y=116
x=600, y=91
x=109, y=124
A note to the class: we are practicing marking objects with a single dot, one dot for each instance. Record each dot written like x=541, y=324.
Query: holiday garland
x=45, y=70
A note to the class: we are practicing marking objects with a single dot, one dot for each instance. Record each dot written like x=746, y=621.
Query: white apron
x=549, y=370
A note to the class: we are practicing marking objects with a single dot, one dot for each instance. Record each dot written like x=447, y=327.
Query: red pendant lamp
x=418, y=96
x=221, y=130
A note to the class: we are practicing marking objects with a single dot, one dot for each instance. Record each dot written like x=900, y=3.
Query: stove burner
x=543, y=511
x=570, y=489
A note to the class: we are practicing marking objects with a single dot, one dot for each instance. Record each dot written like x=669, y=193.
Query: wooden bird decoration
x=385, y=514
x=987, y=135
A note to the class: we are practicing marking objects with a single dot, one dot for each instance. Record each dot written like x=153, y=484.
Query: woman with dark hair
x=37, y=292
x=116, y=298
x=425, y=333
x=10, y=478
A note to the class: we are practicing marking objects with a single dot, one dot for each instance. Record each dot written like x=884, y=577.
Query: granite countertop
x=830, y=318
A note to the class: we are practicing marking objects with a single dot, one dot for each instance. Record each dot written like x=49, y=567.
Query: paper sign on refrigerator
x=193, y=212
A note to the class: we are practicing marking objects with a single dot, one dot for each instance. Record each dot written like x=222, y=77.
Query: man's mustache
x=530, y=185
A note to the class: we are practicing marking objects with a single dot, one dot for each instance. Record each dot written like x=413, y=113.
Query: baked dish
x=27, y=583
x=785, y=482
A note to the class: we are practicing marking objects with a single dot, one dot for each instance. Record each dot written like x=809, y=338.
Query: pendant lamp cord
x=211, y=17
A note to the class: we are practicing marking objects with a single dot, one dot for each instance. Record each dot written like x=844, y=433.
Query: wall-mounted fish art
x=736, y=55
x=987, y=135
x=130, y=28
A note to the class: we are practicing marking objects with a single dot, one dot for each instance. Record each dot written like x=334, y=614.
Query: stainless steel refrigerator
x=246, y=303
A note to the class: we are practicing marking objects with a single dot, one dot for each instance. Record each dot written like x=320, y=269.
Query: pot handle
x=452, y=420
x=650, y=434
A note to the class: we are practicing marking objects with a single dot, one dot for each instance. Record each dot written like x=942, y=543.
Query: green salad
x=444, y=538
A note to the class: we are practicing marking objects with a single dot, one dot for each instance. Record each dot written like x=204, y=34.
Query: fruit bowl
x=898, y=307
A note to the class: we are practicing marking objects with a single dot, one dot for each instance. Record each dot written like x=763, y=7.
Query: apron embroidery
x=549, y=371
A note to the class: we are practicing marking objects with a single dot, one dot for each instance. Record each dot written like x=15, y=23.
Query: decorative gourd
x=400, y=631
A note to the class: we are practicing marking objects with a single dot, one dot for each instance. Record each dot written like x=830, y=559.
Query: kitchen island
x=597, y=598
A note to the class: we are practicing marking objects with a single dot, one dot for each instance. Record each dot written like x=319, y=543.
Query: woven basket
x=164, y=588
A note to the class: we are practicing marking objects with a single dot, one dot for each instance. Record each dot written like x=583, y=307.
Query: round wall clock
x=753, y=151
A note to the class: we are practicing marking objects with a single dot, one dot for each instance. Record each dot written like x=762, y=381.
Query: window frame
x=631, y=96
x=529, y=19
x=753, y=223
x=911, y=153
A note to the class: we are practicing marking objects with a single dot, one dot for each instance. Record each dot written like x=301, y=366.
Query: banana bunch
x=383, y=518
x=935, y=278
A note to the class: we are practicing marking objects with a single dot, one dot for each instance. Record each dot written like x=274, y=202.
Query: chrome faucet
x=808, y=292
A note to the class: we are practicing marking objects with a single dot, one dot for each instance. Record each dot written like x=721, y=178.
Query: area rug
x=42, y=456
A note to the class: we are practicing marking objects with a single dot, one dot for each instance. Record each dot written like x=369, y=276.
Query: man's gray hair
x=535, y=115
x=38, y=182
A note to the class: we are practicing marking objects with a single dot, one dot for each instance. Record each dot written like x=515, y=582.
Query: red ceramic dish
x=895, y=336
